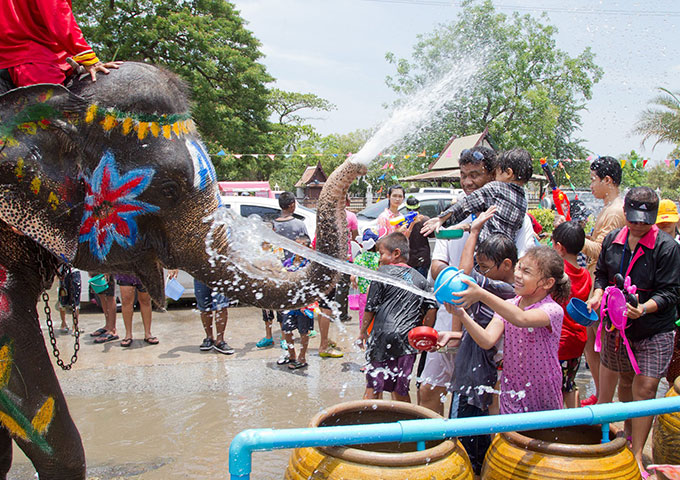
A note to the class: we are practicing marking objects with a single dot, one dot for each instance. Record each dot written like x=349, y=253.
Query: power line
x=579, y=11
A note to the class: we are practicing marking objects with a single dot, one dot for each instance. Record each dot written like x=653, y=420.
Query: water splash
x=245, y=237
x=421, y=108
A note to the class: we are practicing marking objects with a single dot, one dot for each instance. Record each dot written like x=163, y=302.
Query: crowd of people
x=507, y=343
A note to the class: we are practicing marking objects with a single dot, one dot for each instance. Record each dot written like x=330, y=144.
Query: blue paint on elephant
x=111, y=206
x=204, y=172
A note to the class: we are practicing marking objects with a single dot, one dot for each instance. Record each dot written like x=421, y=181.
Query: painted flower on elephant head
x=111, y=206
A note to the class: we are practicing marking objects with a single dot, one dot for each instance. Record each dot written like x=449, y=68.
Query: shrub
x=545, y=217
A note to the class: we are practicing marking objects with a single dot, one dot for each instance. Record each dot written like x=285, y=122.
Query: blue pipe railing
x=248, y=441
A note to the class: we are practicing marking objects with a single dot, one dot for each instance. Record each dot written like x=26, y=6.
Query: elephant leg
x=5, y=453
x=33, y=410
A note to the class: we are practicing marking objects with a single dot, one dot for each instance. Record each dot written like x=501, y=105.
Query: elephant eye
x=170, y=190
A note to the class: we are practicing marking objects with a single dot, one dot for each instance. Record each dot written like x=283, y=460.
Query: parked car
x=431, y=204
x=268, y=209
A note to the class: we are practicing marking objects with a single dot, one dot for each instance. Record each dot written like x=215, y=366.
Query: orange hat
x=668, y=212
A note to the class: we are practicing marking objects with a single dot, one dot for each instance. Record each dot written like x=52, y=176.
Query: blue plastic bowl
x=578, y=311
x=448, y=283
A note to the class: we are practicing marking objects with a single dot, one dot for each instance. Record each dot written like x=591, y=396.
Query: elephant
x=111, y=176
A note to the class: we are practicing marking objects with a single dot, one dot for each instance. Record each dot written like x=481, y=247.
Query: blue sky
x=336, y=50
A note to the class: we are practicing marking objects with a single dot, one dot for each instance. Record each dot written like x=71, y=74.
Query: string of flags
x=388, y=156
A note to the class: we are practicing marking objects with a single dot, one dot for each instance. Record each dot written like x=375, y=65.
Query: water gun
x=406, y=218
x=613, y=313
x=310, y=310
x=559, y=198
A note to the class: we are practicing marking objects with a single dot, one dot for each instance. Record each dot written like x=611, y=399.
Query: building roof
x=312, y=175
x=448, y=158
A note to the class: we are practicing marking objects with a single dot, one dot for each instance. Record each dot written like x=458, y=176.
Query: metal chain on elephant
x=48, y=319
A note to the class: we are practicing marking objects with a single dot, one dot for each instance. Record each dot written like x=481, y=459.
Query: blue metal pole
x=248, y=441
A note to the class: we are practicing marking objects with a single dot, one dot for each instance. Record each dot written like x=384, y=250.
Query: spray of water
x=421, y=109
x=246, y=236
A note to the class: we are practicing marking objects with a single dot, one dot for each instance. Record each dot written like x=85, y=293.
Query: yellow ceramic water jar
x=666, y=437
x=441, y=460
x=570, y=453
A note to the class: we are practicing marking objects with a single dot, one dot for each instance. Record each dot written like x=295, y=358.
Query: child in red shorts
x=568, y=240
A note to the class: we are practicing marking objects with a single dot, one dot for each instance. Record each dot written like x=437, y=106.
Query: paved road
x=169, y=411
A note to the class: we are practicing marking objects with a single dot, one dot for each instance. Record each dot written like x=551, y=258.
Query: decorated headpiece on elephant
x=112, y=177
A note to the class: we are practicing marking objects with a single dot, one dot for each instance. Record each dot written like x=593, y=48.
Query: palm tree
x=661, y=123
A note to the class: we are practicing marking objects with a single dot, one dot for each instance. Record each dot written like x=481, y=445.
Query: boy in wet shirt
x=393, y=312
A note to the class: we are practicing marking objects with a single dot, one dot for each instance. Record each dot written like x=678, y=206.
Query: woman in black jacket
x=652, y=261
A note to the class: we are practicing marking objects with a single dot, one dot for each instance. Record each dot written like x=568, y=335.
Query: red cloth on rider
x=573, y=337
x=34, y=73
x=40, y=31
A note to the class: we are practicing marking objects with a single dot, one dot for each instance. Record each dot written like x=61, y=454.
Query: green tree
x=207, y=44
x=289, y=126
x=633, y=175
x=662, y=120
x=528, y=92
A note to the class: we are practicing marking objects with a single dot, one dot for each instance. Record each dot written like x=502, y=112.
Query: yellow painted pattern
x=19, y=169
x=142, y=130
x=127, y=125
x=167, y=131
x=91, y=113
x=5, y=365
x=35, y=185
x=175, y=128
x=12, y=426
x=109, y=122
x=155, y=129
x=44, y=416
x=53, y=200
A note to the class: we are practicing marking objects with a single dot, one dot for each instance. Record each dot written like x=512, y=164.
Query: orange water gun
x=559, y=198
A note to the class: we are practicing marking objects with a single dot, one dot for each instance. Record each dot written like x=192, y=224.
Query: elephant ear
x=39, y=165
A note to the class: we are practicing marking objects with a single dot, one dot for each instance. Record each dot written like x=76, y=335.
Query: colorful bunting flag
x=394, y=177
x=221, y=153
x=623, y=162
x=387, y=164
x=644, y=163
x=668, y=162
x=271, y=156
x=422, y=154
x=677, y=162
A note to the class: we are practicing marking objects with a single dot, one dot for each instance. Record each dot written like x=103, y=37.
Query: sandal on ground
x=294, y=365
x=331, y=353
x=283, y=360
x=126, y=342
x=152, y=340
x=98, y=333
x=107, y=337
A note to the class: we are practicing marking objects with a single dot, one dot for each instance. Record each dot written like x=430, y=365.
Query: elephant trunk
x=265, y=284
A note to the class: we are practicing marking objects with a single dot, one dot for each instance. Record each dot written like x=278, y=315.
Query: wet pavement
x=170, y=411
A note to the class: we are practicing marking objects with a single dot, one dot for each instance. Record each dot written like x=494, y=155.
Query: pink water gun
x=614, y=307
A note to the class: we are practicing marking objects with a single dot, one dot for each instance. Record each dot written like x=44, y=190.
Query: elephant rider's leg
x=32, y=407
